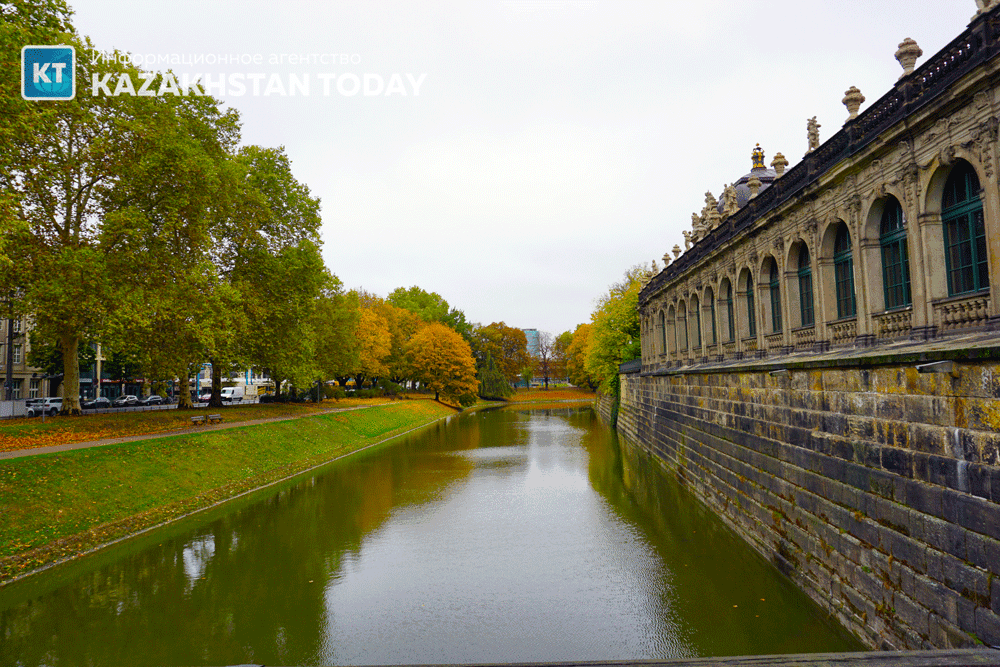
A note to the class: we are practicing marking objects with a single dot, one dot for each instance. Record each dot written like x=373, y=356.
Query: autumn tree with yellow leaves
x=442, y=361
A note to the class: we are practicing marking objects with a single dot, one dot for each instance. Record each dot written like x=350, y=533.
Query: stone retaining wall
x=877, y=490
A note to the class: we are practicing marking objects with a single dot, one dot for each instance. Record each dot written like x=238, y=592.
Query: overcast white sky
x=553, y=143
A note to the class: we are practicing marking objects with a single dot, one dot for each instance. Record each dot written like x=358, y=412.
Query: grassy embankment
x=18, y=434
x=554, y=395
x=56, y=506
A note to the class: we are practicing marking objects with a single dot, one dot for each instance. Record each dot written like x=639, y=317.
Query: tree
x=560, y=354
x=402, y=324
x=374, y=346
x=45, y=353
x=335, y=321
x=173, y=316
x=442, y=361
x=614, y=338
x=576, y=358
x=431, y=307
x=507, y=345
x=544, y=360
x=492, y=383
x=63, y=167
x=266, y=247
x=428, y=305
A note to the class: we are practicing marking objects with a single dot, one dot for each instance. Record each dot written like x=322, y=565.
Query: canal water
x=497, y=536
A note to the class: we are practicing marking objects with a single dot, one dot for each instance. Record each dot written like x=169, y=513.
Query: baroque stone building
x=888, y=231
x=821, y=363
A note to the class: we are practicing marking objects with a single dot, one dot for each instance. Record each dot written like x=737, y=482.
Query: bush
x=337, y=393
x=389, y=388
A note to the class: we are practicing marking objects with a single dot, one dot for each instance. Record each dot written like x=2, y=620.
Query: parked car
x=152, y=399
x=205, y=396
x=46, y=406
x=125, y=400
x=99, y=403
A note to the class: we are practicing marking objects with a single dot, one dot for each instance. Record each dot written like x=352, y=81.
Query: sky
x=518, y=156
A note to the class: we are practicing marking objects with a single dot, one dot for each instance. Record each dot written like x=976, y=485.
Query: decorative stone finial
x=676, y=250
x=754, y=185
x=852, y=100
x=656, y=269
x=757, y=156
x=779, y=163
x=983, y=6
x=812, y=133
x=666, y=259
x=687, y=239
x=907, y=55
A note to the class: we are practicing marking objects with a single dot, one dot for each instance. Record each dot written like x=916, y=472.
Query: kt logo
x=48, y=72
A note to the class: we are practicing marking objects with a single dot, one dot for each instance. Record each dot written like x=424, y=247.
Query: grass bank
x=56, y=506
x=551, y=395
x=19, y=434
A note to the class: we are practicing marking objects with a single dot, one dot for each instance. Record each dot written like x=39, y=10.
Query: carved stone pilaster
x=984, y=140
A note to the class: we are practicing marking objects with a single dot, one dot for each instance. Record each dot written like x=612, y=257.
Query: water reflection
x=499, y=536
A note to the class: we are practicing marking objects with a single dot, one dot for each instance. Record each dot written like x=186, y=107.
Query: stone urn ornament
x=852, y=100
x=907, y=56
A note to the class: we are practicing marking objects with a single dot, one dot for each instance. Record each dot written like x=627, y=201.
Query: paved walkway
x=165, y=434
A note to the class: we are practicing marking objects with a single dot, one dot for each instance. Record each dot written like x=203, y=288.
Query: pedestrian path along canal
x=498, y=536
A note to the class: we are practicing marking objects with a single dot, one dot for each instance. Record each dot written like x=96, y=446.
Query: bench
x=215, y=419
x=200, y=419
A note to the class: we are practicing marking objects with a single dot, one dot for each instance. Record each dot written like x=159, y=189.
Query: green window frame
x=843, y=269
x=964, y=232
x=751, y=307
x=895, y=257
x=729, y=311
x=775, y=290
x=697, y=325
x=682, y=330
x=807, y=314
x=711, y=314
x=663, y=333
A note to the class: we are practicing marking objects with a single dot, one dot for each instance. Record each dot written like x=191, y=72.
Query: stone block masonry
x=875, y=488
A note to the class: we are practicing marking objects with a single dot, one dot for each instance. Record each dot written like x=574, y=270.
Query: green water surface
x=498, y=536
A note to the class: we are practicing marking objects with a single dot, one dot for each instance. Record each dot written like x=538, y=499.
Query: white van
x=232, y=394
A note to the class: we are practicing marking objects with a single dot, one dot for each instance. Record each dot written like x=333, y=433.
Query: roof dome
x=758, y=169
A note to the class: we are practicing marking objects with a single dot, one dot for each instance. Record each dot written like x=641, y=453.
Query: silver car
x=46, y=406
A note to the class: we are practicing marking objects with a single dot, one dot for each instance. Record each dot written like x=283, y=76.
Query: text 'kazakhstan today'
x=238, y=84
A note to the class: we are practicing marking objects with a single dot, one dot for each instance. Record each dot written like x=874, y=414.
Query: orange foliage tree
x=374, y=346
x=576, y=358
x=507, y=345
x=442, y=361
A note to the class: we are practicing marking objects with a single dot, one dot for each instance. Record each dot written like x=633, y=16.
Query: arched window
x=751, y=309
x=729, y=310
x=710, y=296
x=775, y=290
x=806, y=312
x=682, y=328
x=663, y=333
x=696, y=321
x=843, y=269
x=895, y=259
x=964, y=232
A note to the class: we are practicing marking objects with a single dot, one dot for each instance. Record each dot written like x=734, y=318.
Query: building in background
x=24, y=381
x=532, y=336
